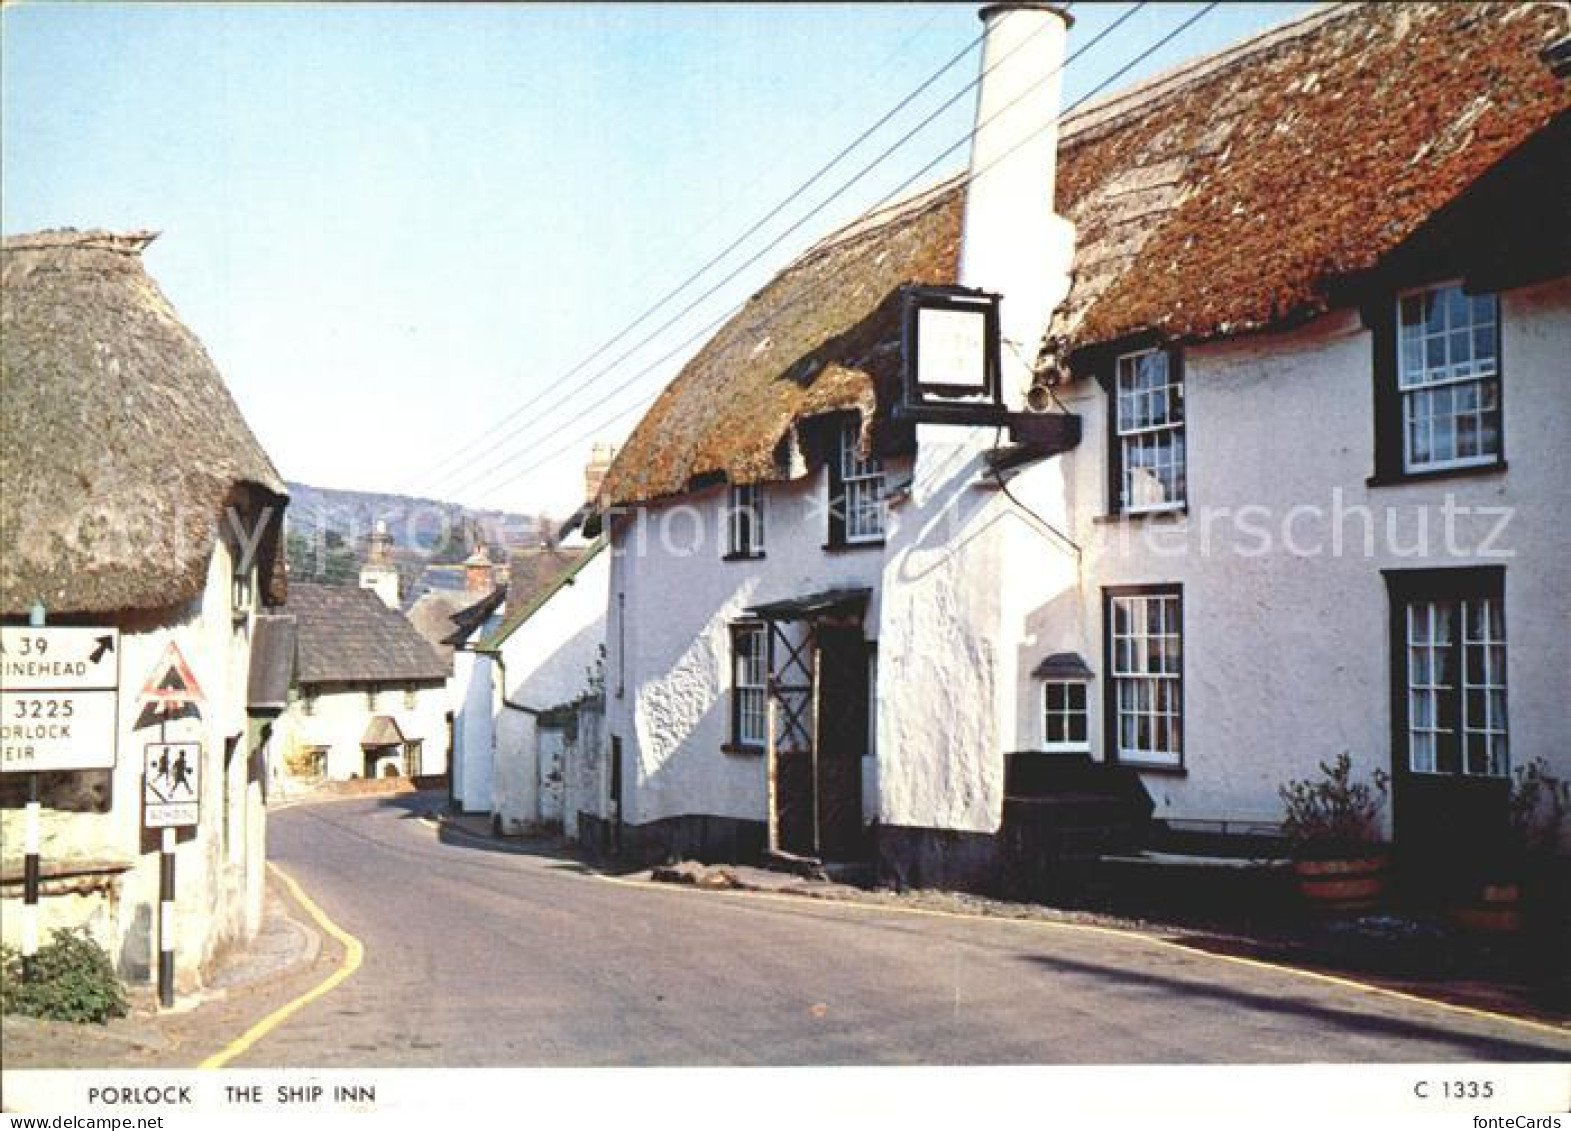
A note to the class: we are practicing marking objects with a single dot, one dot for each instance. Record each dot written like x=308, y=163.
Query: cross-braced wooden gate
x=817, y=730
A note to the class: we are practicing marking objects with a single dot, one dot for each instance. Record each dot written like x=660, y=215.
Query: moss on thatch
x=823, y=336
x=120, y=447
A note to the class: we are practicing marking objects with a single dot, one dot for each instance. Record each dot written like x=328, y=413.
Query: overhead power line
x=970, y=177
x=476, y=476
x=693, y=276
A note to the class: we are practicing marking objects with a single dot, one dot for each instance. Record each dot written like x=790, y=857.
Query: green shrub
x=1332, y=814
x=74, y=981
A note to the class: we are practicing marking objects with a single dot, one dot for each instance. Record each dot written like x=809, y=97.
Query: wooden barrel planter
x=1344, y=886
x=1496, y=911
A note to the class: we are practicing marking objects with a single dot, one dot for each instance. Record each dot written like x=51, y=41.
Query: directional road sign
x=58, y=698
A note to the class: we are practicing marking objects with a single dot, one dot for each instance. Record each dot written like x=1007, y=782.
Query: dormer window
x=745, y=523
x=856, y=492
x=1438, y=383
x=242, y=592
x=1448, y=375
x=1148, y=463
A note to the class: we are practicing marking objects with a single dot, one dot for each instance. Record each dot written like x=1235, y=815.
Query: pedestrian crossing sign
x=171, y=784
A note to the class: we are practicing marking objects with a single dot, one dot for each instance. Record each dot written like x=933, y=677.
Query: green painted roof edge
x=515, y=621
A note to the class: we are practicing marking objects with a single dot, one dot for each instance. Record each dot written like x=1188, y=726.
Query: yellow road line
x=1561, y=1031
x=354, y=954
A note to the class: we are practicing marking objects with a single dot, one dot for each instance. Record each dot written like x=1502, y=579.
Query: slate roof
x=1224, y=197
x=347, y=635
x=272, y=663
x=470, y=619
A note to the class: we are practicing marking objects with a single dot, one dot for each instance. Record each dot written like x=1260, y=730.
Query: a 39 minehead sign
x=59, y=689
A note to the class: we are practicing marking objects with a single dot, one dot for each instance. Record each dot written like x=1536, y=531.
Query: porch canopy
x=829, y=603
x=382, y=730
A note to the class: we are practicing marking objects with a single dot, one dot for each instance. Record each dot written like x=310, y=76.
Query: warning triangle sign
x=171, y=683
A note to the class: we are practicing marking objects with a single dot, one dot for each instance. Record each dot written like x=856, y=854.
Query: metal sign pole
x=30, y=882
x=30, y=837
x=166, y=897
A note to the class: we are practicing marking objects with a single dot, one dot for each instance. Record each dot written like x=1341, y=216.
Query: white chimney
x=1012, y=242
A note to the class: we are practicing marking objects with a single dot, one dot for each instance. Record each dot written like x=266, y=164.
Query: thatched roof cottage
x=135, y=497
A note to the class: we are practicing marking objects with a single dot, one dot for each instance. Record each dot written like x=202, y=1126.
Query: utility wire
x=966, y=180
x=471, y=479
x=692, y=277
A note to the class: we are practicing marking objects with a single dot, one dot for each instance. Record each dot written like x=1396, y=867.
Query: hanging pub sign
x=951, y=356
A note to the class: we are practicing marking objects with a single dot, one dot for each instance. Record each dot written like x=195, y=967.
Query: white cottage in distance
x=545, y=667
x=370, y=694
x=1314, y=284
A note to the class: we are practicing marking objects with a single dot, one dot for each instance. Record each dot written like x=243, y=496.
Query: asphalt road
x=480, y=957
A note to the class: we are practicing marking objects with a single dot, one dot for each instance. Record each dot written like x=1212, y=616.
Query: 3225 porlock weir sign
x=59, y=690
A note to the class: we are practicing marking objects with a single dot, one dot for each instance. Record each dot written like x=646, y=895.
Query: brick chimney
x=479, y=573
x=379, y=573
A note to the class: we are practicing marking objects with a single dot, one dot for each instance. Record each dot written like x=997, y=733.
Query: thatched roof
x=1217, y=199
x=120, y=446
x=815, y=340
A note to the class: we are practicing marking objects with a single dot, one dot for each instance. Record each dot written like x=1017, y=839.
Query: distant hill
x=338, y=524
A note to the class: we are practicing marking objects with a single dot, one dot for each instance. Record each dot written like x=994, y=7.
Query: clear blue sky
x=393, y=225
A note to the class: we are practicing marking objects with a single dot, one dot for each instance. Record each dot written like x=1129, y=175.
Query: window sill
x=848, y=547
x=1395, y=478
x=738, y=557
x=744, y=751
x=1171, y=514
x=1153, y=768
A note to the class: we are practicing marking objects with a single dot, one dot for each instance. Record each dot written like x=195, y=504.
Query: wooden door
x=842, y=740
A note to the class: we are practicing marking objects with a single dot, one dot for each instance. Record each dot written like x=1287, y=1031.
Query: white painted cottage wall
x=1286, y=655
x=545, y=663
x=672, y=655
x=341, y=717
x=587, y=787
x=219, y=889
x=473, y=730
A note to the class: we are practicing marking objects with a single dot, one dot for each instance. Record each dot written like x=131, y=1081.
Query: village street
x=475, y=955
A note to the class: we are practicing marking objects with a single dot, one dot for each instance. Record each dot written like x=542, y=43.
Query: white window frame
x=242, y=591
x=1141, y=691
x=1478, y=376
x=1065, y=714
x=1470, y=673
x=1132, y=436
x=745, y=522
x=862, y=489
x=750, y=685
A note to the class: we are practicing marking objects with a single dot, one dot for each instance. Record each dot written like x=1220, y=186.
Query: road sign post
x=171, y=789
x=166, y=920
